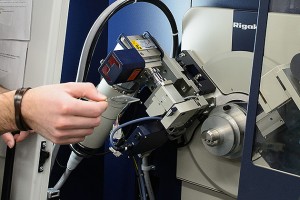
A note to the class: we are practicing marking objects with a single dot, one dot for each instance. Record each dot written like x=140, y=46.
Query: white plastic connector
x=73, y=161
x=116, y=153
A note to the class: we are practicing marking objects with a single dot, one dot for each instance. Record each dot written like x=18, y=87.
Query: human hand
x=11, y=139
x=55, y=112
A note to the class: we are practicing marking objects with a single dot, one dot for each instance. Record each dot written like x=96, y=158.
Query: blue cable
x=111, y=137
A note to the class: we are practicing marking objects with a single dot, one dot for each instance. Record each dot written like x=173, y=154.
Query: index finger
x=87, y=90
x=88, y=108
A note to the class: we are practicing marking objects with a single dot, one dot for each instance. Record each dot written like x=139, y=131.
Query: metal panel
x=201, y=32
x=43, y=66
x=260, y=182
x=208, y=33
x=192, y=192
x=282, y=44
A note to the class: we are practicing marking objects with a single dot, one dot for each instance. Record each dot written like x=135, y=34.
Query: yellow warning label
x=136, y=44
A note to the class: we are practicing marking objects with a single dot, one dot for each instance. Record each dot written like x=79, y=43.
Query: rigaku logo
x=244, y=26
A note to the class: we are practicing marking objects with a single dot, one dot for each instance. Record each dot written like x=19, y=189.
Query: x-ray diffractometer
x=198, y=98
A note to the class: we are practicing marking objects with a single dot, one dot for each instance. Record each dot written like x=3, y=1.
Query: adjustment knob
x=211, y=137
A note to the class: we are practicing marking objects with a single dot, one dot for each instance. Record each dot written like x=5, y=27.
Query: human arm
x=3, y=89
x=55, y=112
x=7, y=123
x=8, y=137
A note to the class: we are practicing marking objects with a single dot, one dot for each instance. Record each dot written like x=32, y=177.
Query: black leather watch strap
x=21, y=124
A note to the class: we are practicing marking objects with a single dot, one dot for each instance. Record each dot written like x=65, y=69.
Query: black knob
x=295, y=66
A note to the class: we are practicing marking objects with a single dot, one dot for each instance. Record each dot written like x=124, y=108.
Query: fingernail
x=10, y=144
x=102, y=96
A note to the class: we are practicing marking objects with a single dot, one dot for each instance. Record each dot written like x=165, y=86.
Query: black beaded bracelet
x=21, y=124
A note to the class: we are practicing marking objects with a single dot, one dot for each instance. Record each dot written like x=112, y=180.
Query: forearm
x=7, y=119
x=2, y=89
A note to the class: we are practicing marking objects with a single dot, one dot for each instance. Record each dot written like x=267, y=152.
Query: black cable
x=101, y=153
x=83, y=151
x=59, y=164
x=201, y=119
x=191, y=138
x=142, y=180
x=256, y=159
x=137, y=176
x=158, y=4
x=8, y=173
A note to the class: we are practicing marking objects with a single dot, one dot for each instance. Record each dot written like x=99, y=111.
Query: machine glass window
x=277, y=142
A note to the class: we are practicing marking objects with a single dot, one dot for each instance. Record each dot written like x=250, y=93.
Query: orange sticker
x=134, y=74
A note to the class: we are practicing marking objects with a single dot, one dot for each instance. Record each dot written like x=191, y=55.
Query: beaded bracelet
x=21, y=124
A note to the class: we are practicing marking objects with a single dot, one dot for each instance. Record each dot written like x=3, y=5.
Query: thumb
x=86, y=90
x=8, y=138
x=22, y=136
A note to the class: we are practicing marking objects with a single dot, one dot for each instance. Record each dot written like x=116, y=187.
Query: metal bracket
x=44, y=155
x=53, y=194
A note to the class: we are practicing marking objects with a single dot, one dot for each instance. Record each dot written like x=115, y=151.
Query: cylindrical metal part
x=108, y=118
x=223, y=131
x=211, y=137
